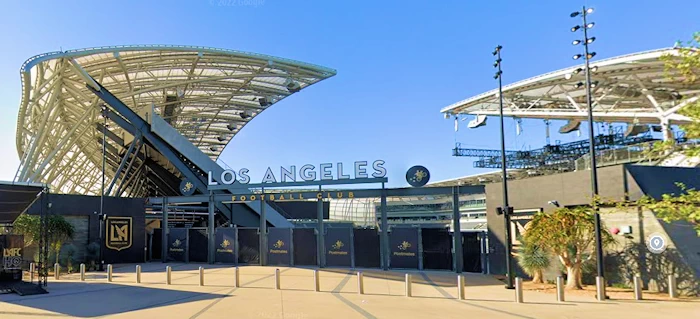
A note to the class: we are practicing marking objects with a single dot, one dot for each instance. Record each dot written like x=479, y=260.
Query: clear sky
x=399, y=62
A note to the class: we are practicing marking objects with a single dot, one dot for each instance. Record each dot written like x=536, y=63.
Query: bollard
x=82, y=272
x=672, y=287
x=277, y=279
x=317, y=282
x=138, y=274
x=237, y=278
x=408, y=285
x=56, y=271
x=518, y=290
x=560, y=289
x=460, y=287
x=168, y=275
x=637, y=287
x=600, y=288
x=109, y=272
x=31, y=272
x=201, y=276
x=360, y=283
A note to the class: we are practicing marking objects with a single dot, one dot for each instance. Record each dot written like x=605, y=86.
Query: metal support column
x=210, y=230
x=263, y=230
x=457, y=234
x=164, y=231
x=384, y=239
x=319, y=228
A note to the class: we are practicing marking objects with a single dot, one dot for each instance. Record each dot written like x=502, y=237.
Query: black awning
x=15, y=198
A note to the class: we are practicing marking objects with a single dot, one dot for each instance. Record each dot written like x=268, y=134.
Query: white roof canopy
x=632, y=88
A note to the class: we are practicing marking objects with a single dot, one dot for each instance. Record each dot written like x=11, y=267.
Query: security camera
x=553, y=203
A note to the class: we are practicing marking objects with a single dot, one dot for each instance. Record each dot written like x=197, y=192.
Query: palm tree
x=533, y=259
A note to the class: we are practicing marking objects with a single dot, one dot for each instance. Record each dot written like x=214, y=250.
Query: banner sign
x=225, y=245
x=337, y=244
x=308, y=172
x=177, y=244
x=279, y=246
x=119, y=233
x=403, y=245
x=12, y=247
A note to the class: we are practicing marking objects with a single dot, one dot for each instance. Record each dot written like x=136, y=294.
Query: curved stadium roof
x=208, y=95
x=631, y=88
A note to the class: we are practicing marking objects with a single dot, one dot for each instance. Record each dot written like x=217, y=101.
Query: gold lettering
x=301, y=196
x=281, y=197
x=328, y=194
x=243, y=198
x=351, y=195
x=339, y=195
x=119, y=233
x=12, y=252
x=252, y=197
x=319, y=195
x=272, y=196
x=233, y=198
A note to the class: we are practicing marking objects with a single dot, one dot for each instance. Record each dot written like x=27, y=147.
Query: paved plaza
x=434, y=296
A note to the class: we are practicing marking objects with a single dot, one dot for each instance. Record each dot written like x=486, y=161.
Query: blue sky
x=398, y=62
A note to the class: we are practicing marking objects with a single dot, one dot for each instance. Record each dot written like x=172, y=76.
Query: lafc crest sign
x=119, y=233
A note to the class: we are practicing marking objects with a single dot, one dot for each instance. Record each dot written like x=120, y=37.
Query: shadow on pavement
x=81, y=300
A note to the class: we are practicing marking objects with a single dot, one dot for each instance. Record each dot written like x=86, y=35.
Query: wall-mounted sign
x=119, y=233
x=293, y=196
x=186, y=187
x=307, y=173
x=417, y=176
x=11, y=247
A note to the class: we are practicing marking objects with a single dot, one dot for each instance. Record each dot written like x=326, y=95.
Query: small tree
x=671, y=207
x=58, y=229
x=568, y=233
x=533, y=259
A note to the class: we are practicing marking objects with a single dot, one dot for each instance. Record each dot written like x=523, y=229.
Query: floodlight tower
x=589, y=102
x=505, y=210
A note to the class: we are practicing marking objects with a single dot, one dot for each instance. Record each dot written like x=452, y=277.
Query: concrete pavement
x=434, y=295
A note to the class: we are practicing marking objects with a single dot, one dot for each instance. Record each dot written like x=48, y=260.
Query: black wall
x=80, y=205
x=303, y=209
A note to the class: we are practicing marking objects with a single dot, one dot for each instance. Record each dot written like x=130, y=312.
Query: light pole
x=102, y=192
x=591, y=136
x=505, y=210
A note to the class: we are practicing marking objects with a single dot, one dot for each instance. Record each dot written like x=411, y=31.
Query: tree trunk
x=573, y=277
x=537, y=277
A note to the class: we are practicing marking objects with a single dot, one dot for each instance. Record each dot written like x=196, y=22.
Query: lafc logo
x=119, y=233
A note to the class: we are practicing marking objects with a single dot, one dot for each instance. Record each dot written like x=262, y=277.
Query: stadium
x=124, y=141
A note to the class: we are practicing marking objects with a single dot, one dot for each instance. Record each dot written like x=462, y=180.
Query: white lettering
x=243, y=175
x=340, y=172
x=269, y=177
x=210, y=181
x=379, y=169
x=307, y=173
x=226, y=181
x=360, y=170
x=326, y=173
x=291, y=173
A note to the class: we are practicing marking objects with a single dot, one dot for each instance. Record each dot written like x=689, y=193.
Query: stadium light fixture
x=265, y=101
x=576, y=57
x=575, y=28
x=496, y=63
x=593, y=68
x=574, y=14
x=591, y=139
x=506, y=209
x=576, y=42
x=578, y=70
x=578, y=85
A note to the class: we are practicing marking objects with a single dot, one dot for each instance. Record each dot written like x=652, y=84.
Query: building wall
x=574, y=188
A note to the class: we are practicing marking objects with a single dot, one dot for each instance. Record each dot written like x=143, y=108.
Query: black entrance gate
x=248, y=246
x=157, y=244
x=437, y=248
x=366, y=248
x=471, y=250
x=304, y=246
x=198, y=245
x=403, y=246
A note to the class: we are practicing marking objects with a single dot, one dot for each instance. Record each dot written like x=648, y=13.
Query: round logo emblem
x=417, y=176
x=187, y=188
x=656, y=243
